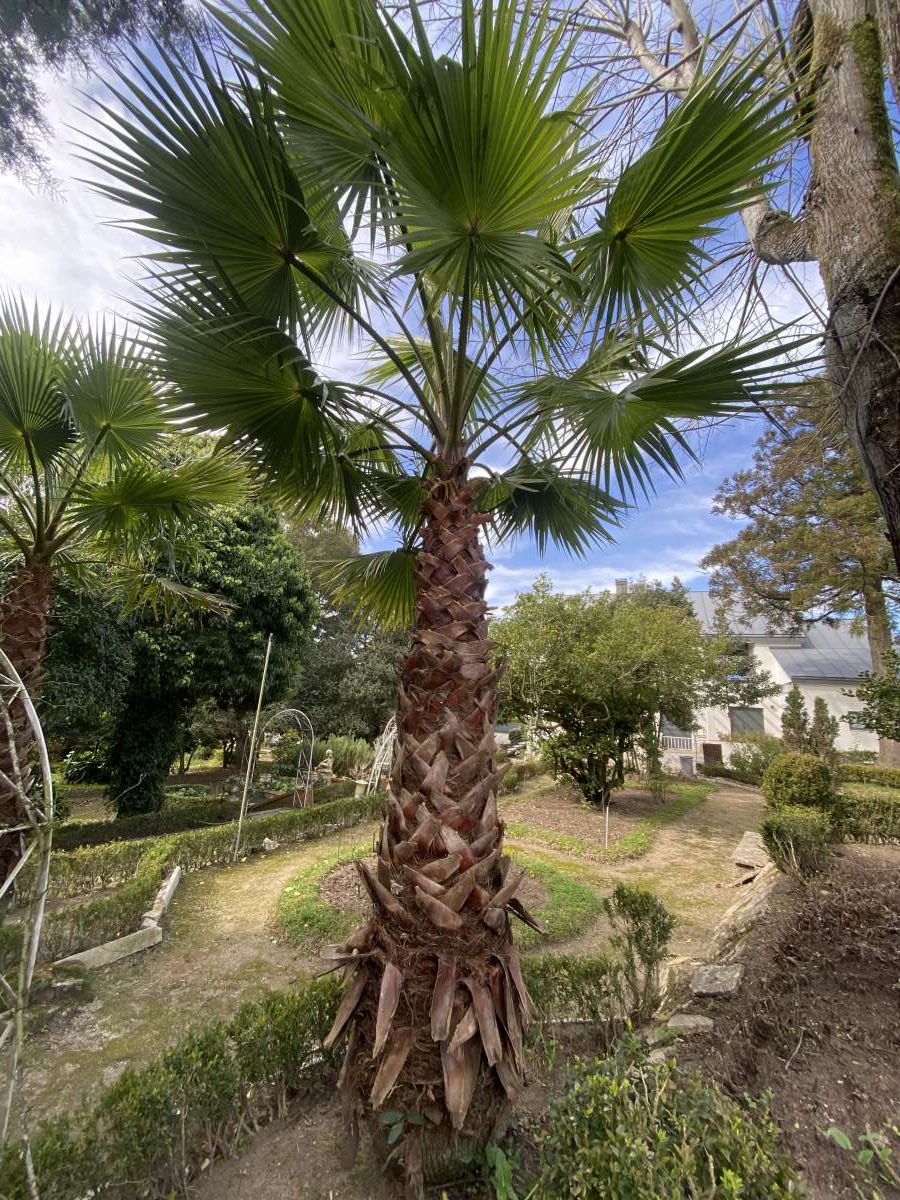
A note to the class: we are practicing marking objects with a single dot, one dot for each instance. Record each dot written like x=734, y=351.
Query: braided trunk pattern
x=24, y=617
x=435, y=1004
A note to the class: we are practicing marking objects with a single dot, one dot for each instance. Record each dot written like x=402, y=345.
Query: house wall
x=714, y=725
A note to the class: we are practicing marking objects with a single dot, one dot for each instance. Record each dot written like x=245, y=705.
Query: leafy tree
x=812, y=544
x=795, y=722
x=881, y=698
x=85, y=484
x=245, y=559
x=598, y=672
x=35, y=35
x=513, y=386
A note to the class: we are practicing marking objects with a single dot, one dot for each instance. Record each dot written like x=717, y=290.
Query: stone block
x=751, y=851
x=110, y=952
x=717, y=980
x=687, y=1023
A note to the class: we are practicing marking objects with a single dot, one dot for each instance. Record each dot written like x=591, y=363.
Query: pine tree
x=795, y=731
x=823, y=731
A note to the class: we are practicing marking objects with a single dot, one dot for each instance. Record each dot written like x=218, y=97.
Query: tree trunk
x=24, y=617
x=854, y=210
x=434, y=1015
x=881, y=640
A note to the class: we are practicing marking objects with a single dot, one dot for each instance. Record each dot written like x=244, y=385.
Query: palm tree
x=514, y=310
x=82, y=484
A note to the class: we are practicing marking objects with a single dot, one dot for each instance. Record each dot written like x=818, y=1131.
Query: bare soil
x=562, y=810
x=816, y=1020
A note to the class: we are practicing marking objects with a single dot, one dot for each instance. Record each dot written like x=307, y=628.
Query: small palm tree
x=82, y=484
x=513, y=308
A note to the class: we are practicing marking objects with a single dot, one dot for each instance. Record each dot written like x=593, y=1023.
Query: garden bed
x=816, y=1021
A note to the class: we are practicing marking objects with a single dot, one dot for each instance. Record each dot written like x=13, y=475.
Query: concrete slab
x=751, y=851
x=110, y=952
x=688, y=1023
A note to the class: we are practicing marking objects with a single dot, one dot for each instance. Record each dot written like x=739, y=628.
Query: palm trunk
x=881, y=641
x=434, y=1014
x=24, y=616
x=854, y=210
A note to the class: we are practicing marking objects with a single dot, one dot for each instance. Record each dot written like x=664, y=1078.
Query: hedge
x=861, y=773
x=720, y=771
x=158, y=1123
x=872, y=816
x=798, y=838
x=139, y=866
x=195, y=813
x=520, y=771
x=800, y=779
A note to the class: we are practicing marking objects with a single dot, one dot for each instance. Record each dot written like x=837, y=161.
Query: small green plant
x=754, y=752
x=873, y=1154
x=630, y=1130
x=798, y=839
x=642, y=929
x=799, y=779
x=500, y=1173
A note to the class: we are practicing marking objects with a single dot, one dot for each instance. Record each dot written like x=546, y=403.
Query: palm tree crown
x=335, y=174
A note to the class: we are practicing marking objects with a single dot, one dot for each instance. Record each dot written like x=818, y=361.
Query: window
x=746, y=720
x=856, y=721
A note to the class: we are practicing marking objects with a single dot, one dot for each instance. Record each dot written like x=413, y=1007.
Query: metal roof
x=819, y=651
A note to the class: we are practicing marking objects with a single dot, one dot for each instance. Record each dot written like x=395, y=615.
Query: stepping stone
x=687, y=1023
x=717, y=980
x=751, y=851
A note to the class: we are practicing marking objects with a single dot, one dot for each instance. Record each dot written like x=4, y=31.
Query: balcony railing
x=674, y=741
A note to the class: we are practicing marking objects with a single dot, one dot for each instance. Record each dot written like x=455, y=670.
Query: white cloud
x=54, y=245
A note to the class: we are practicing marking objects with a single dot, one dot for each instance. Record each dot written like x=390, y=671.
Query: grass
x=634, y=844
x=310, y=921
x=870, y=791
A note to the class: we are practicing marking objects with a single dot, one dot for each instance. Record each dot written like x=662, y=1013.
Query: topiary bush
x=629, y=1130
x=799, y=779
x=798, y=839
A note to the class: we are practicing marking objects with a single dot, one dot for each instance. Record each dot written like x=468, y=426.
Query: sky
x=61, y=248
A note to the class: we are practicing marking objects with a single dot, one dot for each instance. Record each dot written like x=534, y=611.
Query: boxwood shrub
x=799, y=779
x=864, y=773
x=156, y=1124
x=136, y=868
x=798, y=839
x=872, y=815
x=627, y=1129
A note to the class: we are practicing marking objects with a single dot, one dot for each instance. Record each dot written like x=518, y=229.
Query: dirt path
x=688, y=867
x=219, y=949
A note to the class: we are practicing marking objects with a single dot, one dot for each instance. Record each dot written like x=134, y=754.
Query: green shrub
x=517, y=774
x=352, y=756
x=720, y=771
x=156, y=1124
x=754, y=753
x=799, y=779
x=629, y=1130
x=872, y=814
x=642, y=929
x=862, y=773
x=190, y=814
x=90, y=765
x=798, y=839
x=858, y=756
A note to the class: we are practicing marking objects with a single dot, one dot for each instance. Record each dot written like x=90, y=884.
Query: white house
x=822, y=660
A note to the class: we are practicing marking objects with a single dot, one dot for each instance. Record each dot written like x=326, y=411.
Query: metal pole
x=251, y=758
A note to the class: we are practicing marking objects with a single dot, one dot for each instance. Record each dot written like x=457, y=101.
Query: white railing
x=672, y=741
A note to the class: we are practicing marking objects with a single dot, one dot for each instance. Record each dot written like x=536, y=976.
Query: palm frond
x=706, y=162
x=380, y=587
x=34, y=353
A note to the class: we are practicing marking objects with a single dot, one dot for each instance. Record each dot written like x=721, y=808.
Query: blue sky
x=59, y=248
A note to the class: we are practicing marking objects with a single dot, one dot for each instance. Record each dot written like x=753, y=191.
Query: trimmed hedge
x=139, y=866
x=798, y=839
x=156, y=1124
x=799, y=779
x=520, y=771
x=862, y=773
x=872, y=816
x=720, y=771
x=628, y=1128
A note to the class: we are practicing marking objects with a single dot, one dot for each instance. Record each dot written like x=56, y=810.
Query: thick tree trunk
x=24, y=616
x=881, y=640
x=435, y=1011
x=854, y=209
